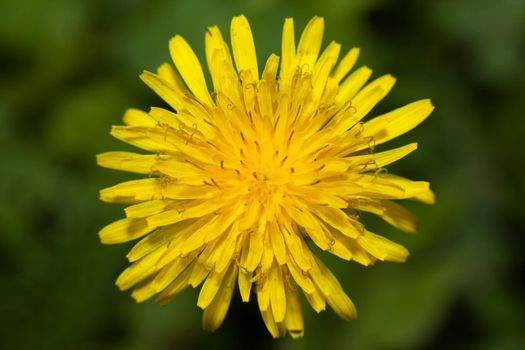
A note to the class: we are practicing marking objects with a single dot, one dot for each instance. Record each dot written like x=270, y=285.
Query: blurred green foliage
x=68, y=71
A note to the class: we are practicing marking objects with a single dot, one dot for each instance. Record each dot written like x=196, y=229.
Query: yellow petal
x=181, y=191
x=339, y=220
x=382, y=248
x=215, y=44
x=365, y=100
x=143, y=291
x=301, y=278
x=310, y=224
x=391, y=212
x=216, y=227
x=140, y=190
x=282, y=117
x=288, y=64
x=351, y=85
x=322, y=71
x=136, y=117
x=347, y=248
x=397, y=122
x=154, y=188
x=267, y=88
x=338, y=248
x=215, y=313
x=172, y=78
x=251, y=215
x=245, y=284
x=270, y=68
x=220, y=65
x=127, y=161
x=316, y=300
x=163, y=89
x=427, y=197
x=142, y=137
x=254, y=250
x=346, y=64
x=182, y=173
x=278, y=246
x=189, y=68
x=399, y=217
x=267, y=256
x=201, y=114
x=162, y=139
x=382, y=159
x=124, y=230
x=378, y=160
x=337, y=298
x=270, y=324
x=171, y=271
x=167, y=118
x=175, y=287
x=193, y=209
x=165, y=236
x=198, y=273
x=228, y=83
x=209, y=289
x=294, y=244
x=263, y=293
x=147, y=208
x=310, y=43
x=387, y=186
x=139, y=270
x=216, y=51
x=360, y=106
x=223, y=254
x=330, y=92
x=249, y=92
x=264, y=100
x=243, y=47
x=277, y=293
x=315, y=195
x=293, y=320
x=319, y=276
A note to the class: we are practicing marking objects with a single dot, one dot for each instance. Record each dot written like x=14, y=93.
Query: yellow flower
x=242, y=180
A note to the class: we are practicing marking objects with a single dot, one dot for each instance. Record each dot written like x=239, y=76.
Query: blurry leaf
x=80, y=125
x=492, y=32
x=402, y=305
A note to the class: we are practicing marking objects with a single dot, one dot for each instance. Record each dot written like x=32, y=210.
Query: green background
x=69, y=69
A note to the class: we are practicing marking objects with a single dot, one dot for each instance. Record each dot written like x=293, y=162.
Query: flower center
x=266, y=170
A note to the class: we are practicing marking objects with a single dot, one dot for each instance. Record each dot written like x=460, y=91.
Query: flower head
x=241, y=180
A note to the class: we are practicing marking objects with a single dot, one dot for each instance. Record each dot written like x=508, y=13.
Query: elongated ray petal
x=189, y=67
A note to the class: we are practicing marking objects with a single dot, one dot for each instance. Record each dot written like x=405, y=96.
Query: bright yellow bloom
x=241, y=180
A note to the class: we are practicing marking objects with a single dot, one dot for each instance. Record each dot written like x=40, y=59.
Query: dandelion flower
x=243, y=180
